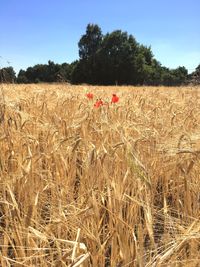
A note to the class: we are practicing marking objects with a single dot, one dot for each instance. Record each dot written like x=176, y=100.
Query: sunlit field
x=115, y=185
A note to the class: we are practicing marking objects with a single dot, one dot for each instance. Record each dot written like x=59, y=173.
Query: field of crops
x=114, y=185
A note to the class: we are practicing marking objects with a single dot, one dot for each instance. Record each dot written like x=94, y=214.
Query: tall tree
x=90, y=42
x=7, y=75
x=194, y=77
x=50, y=72
x=117, y=57
x=113, y=58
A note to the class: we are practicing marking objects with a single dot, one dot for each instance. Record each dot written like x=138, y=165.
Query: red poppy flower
x=98, y=103
x=89, y=96
x=115, y=98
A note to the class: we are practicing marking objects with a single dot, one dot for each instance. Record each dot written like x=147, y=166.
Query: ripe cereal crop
x=117, y=185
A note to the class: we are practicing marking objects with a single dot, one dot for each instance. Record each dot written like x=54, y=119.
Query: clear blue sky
x=34, y=31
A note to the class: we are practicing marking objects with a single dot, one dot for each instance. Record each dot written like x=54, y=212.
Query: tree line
x=113, y=58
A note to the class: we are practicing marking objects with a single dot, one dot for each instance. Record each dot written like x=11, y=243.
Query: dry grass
x=116, y=186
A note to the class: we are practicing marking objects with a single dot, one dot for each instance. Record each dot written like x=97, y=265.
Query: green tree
x=194, y=77
x=174, y=77
x=50, y=72
x=21, y=78
x=90, y=42
x=180, y=75
x=113, y=58
x=117, y=58
x=7, y=75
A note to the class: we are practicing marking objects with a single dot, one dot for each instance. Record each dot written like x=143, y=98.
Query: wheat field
x=113, y=186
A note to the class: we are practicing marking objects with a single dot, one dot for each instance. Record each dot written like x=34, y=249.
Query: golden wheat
x=115, y=186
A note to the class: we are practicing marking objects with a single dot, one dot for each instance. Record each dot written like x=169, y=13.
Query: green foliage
x=86, y=70
x=90, y=42
x=117, y=58
x=21, y=78
x=174, y=77
x=50, y=72
x=7, y=75
x=194, y=77
x=113, y=58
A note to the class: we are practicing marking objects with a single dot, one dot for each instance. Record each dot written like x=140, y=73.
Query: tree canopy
x=113, y=58
x=50, y=72
x=7, y=75
x=117, y=58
